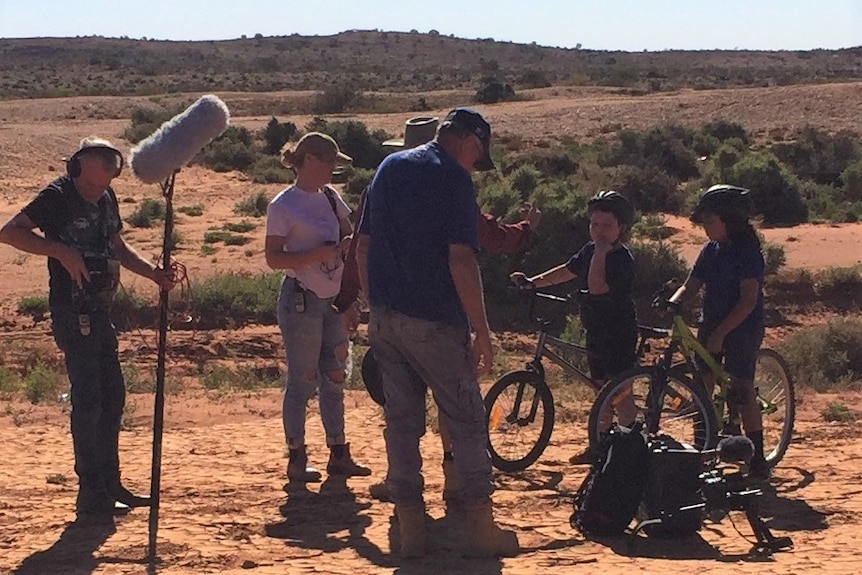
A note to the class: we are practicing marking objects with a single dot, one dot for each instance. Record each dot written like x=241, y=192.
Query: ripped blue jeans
x=316, y=346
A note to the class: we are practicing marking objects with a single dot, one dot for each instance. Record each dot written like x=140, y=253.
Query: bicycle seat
x=647, y=332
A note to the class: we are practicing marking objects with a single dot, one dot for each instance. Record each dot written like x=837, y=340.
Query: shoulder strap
x=330, y=195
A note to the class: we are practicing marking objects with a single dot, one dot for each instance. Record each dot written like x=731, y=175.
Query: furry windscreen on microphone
x=177, y=141
x=736, y=448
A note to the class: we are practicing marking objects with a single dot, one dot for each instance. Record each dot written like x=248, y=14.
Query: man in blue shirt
x=416, y=257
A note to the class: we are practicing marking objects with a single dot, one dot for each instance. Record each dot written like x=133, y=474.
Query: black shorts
x=739, y=353
x=611, y=356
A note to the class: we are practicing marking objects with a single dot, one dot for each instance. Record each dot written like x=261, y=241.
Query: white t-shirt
x=305, y=221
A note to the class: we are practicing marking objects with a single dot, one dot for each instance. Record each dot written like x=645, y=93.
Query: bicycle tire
x=686, y=413
x=775, y=386
x=515, y=439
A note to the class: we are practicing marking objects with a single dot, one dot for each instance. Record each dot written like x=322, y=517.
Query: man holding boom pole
x=80, y=221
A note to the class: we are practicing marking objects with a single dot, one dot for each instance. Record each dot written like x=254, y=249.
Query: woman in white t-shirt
x=307, y=234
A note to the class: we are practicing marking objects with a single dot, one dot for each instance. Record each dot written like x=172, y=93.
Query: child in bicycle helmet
x=604, y=269
x=730, y=268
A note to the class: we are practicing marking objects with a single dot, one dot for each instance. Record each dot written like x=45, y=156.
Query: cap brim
x=395, y=143
x=343, y=159
x=485, y=164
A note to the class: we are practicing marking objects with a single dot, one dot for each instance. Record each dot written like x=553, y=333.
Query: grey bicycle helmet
x=615, y=203
x=725, y=201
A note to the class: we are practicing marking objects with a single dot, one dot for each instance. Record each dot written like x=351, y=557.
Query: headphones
x=73, y=164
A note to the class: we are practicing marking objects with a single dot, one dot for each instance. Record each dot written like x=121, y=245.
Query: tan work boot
x=485, y=538
x=411, y=530
x=451, y=486
x=341, y=463
x=298, y=469
x=380, y=491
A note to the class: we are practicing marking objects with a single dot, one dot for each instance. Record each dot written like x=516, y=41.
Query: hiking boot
x=298, y=469
x=585, y=457
x=380, y=491
x=128, y=499
x=341, y=463
x=411, y=530
x=485, y=538
x=451, y=486
x=759, y=471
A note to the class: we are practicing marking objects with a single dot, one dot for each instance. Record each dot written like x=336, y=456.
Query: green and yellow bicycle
x=669, y=395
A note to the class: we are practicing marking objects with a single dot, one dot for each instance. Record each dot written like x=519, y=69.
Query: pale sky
x=630, y=25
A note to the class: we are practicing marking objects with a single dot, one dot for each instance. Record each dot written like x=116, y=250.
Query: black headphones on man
x=73, y=164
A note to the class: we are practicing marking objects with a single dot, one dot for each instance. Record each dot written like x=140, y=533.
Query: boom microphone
x=736, y=448
x=177, y=141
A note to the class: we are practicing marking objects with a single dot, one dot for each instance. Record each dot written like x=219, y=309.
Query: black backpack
x=609, y=497
x=673, y=491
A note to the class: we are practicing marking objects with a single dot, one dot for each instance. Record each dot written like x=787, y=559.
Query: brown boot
x=451, y=486
x=341, y=463
x=298, y=469
x=380, y=491
x=411, y=529
x=485, y=538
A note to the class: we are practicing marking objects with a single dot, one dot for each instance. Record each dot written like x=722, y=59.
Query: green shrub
x=840, y=283
x=837, y=411
x=354, y=139
x=240, y=227
x=253, y=205
x=147, y=212
x=226, y=237
x=826, y=357
x=775, y=190
x=649, y=189
x=225, y=154
x=235, y=299
x=276, y=135
x=337, y=98
x=651, y=227
x=491, y=91
x=818, y=155
x=851, y=178
x=42, y=384
x=34, y=305
x=208, y=250
x=9, y=382
x=194, y=211
x=132, y=310
x=656, y=263
x=145, y=121
x=774, y=257
x=218, y=377
x=268, y=170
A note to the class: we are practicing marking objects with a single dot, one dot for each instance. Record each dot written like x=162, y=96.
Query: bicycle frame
x=545, y=340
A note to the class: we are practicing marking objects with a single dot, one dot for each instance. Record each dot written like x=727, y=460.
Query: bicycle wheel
x=680, y=409
x=777, y=398
x=519, y=413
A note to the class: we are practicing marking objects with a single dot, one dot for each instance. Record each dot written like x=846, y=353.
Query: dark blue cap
x=473, y=121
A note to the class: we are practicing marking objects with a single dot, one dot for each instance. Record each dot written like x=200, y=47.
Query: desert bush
x=723, y=130
x=358, y=179
x=253, y=205
x=147, y=212
x=665, y=148
x=268, y=170
x=193, y=211
x=818, y=155
x=774, y=189
x=275, y=135
x=10, y=382
x=837, y=412
x=240, y=227
x=230, y=151
x=491, y=91
x=337, y=98
x=217, y=377
x=851, y=179
x=844, y=283
x=649, y=189
x=145, y=121
x=226, y=237
x=235, y=299
x=525, y=179
x=35, y=306
x=354, y=139
x=651, y=227
x=42, y=384
x=826, y=357
x=656, y=263
x=774, y=257
x=131, y=310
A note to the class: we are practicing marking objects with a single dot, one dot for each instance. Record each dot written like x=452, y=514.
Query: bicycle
x=519, y=407
x=654, y=391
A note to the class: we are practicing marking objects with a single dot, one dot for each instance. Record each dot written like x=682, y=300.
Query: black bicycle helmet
x=615, y=203
x=725, y=201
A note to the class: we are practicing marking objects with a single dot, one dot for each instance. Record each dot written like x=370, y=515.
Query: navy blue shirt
x=65, y=217
x=611, y=315
x=721, y=267
x=419, y=203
